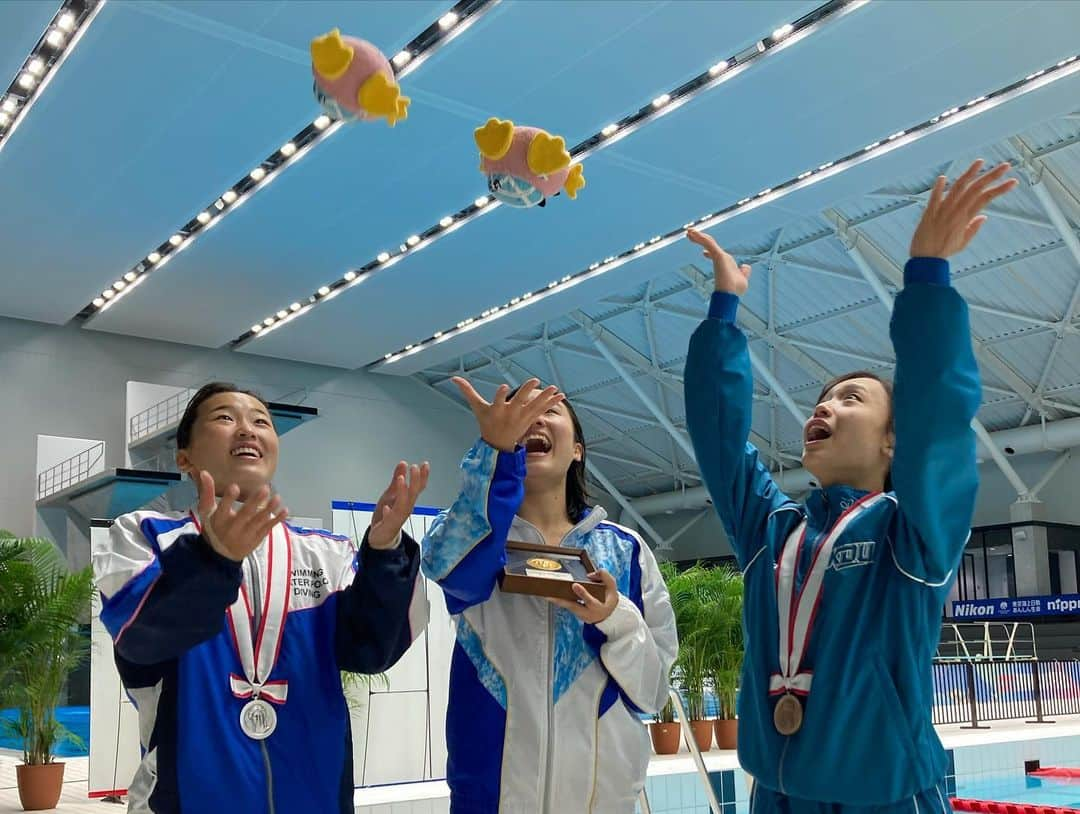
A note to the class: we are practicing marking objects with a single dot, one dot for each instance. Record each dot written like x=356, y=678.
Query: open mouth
x=817, y=431
x=247, y=452
x=537, y=445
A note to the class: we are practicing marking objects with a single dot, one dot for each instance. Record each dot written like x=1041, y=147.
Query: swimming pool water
x=77, y=719
x=1045, y=791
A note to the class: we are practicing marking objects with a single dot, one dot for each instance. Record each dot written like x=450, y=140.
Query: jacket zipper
x=549, y=746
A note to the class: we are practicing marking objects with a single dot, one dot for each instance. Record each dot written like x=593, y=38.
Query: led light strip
x=719, y=73
x=954, y=115
x=55, y=44
x=439, y=33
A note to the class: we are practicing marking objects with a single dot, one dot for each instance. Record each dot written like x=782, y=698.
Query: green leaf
x=41, y=606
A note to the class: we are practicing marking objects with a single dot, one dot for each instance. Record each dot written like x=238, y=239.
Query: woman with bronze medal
x=843, y=593
x=231, y=625
x=545, y=693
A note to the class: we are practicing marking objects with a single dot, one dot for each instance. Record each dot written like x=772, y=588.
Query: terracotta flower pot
x=702, y=734
x=39, y=786
x=726, y=733
x=665, y=738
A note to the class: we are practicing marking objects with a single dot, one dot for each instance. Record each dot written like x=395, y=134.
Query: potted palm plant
x=665, y=731
x=688, y=591
x=722, y=629
x=40, y=644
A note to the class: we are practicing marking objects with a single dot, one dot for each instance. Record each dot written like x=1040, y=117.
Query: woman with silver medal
x=843, y=593
x=231, y=625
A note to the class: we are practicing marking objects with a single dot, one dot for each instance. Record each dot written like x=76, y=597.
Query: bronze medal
x=788, y=715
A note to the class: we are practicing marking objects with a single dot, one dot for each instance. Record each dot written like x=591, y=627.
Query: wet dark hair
x=577, y=489
x=191, y=412
x=864, y=374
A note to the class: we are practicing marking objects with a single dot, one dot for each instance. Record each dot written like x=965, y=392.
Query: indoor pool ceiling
x=804, y=136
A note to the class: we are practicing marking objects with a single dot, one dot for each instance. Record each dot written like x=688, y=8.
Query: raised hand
x=397, y=503
x=952, y=218
x=231, y=533
x=728, y=275
x=504, y=423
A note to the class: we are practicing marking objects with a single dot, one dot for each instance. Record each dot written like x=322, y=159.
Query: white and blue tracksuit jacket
x=543, y=713
x=165, y=592
x=867, y=738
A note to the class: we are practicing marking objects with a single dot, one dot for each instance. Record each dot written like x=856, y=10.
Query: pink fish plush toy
x=354, y=81
x=525, y=165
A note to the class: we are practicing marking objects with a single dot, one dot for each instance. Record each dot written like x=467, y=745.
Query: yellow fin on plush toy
x=547, y=154
x=494, y=138
x=380, y=96
x=574, y=181
x=330, y=55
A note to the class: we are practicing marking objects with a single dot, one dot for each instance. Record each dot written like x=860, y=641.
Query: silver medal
x=258, y=719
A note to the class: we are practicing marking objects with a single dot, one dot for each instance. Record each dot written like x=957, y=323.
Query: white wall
x=67, y=381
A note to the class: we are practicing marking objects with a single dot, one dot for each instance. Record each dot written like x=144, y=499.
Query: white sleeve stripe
x=754, y=558
x=169, y=537
x=914, y=578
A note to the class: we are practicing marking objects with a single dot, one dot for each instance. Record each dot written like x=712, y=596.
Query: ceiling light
x=481, y=202
x=288, y=149
x=282, y=314
x=27, y=81
x=36, y=66
x=783, y=31
x=256, y=328
x=9, y=104
x=203, y=218
x=350, y=276
x=119, y=285
x=55, y=38
x=258, y=174
x=98, y=302
x=609, y=130
x=153, y=257
x=322, y=122
x=661, y=100
x=413, y=240
x=383, y=257
x=448, y=20
x=446, y=221
x=401, y=58
x=108, y=294
x=130, y=276
x=66, y=21
x=294, y=307
x=230, y=196
x=176, y=240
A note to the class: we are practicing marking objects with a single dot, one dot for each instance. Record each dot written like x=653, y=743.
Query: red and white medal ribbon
x=797, y=613
x=259, y=653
